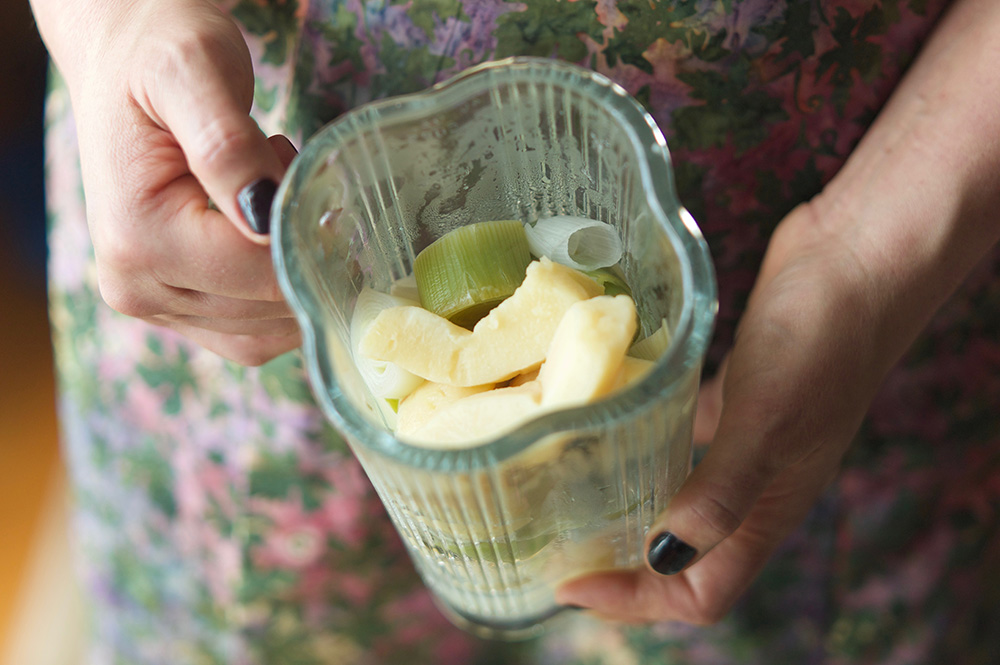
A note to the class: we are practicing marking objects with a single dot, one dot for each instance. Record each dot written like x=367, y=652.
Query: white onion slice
x=405, y=288
x=385, y=410
x=386, y=380
x=577, y=242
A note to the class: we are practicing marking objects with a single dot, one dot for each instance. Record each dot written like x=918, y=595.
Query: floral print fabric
x=220, y=519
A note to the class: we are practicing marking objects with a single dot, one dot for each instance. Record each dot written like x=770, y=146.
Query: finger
x=283, y=148
x=200, y=251
x=212, y=312
x=639, y=596
x=183, y=248
x=798, y=382
x=204, y=99
x=254, y=327
x=247, y=350
x=706, y=419
x=185, y=302
x=628, y=596
x=703, y=594
x=741, y=462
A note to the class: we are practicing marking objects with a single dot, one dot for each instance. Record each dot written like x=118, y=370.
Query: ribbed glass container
x=495, y=528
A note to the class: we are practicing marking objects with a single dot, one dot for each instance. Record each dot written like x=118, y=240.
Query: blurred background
x=39, y=612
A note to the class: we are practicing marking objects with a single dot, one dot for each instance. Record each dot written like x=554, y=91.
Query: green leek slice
x=653, y=346
x=612, y=280
x=469, y=271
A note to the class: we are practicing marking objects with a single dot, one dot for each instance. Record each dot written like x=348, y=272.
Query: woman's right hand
x=161, y=93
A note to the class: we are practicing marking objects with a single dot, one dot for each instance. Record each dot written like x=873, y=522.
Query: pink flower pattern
x=221, y=520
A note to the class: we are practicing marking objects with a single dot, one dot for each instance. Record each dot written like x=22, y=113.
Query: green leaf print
x=866, y=635
x=275, y=477
x=132, y=575
x=265, y=97
x=689, y=177
x=341, y=37
x=265, y=583
x=548, y=28
x=276, y=22
x=283, y=378
x=854, y=53
x=145, y=466
x=733, y=110
x=807, y=183
x=174, y=374
x=795, y=33
x=307, y=109
x=79, y=310
x=647, y=22
x=418, y=67
x=428, y=14
x=328, y=438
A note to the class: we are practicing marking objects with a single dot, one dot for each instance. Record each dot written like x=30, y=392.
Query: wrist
x=75, y=33
x=916, y=206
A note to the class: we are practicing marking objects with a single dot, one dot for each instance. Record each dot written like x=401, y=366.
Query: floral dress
x=220, y=520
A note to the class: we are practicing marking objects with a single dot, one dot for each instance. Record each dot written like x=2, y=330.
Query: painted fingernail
x=668, y=554
x=255, y=204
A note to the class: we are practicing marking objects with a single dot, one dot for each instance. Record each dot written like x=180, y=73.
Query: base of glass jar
x=498, y=629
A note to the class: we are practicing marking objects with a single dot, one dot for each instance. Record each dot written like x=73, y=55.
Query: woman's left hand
x=809, y=355
x=847, y=283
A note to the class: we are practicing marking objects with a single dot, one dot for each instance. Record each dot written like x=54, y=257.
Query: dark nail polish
x=255, y=203
x=668, y=554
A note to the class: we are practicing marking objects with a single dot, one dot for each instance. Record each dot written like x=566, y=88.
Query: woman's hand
x=847, y=283
x=809, y=355
x=161, y=93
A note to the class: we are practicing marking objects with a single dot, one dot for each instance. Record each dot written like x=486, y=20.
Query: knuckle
x=119, y=248
x=263, y=286
x=220, y=142
x=253, y=357
x=186, y=52
x=716, y=517
x=122, y=275
x=804, y=222
x=251, y=351
x=182, y=58
x=270, y=291
x=124, y=296
x=710, y=614
x=249, y=358
x=283, y=327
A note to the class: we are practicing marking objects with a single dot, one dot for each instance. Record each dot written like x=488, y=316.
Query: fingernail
x=255, y=203
x=668, y=554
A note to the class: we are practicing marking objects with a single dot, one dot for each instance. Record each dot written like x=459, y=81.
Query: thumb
x=706, y=419
x=794, y=391
x=710, y=506
x=205, y=104
x=769, y=423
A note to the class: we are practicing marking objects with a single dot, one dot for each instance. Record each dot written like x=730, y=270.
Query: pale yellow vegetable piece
x=420, y=406
x=478, y=418
x=632, y=370
x=513, y=338
x=654, y=346
x=524, y=378
x=585, y=357
x=384, y=379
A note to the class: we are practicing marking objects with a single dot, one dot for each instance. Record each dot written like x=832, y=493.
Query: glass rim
x=689, y=339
